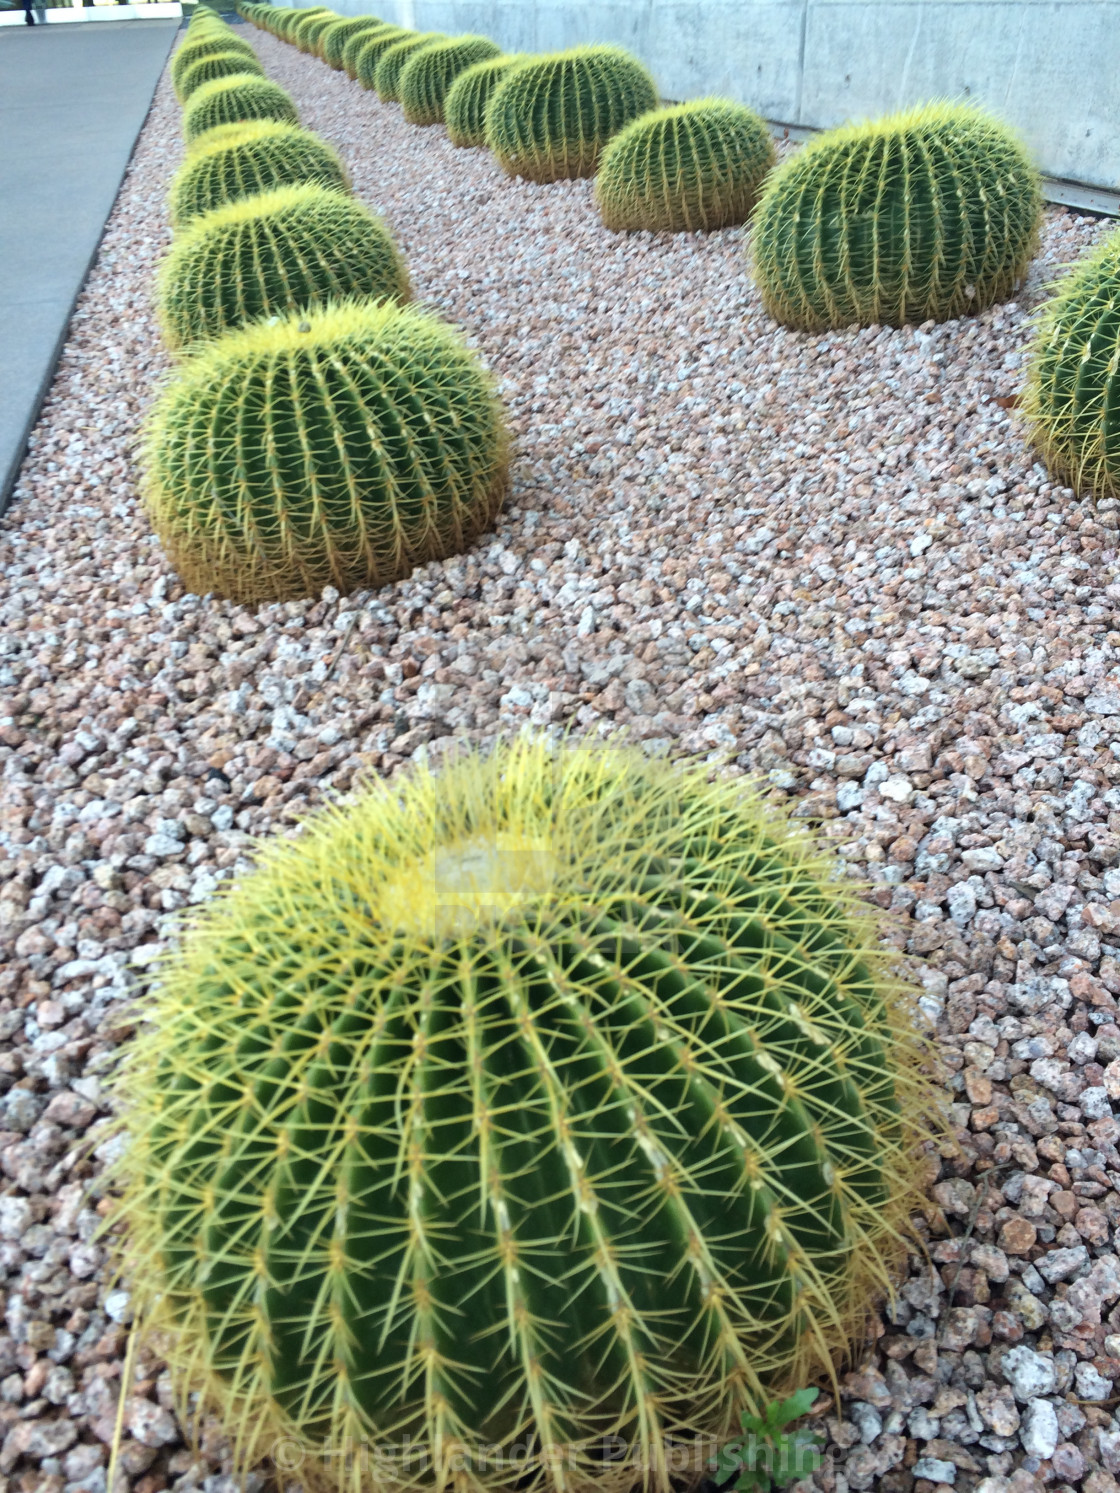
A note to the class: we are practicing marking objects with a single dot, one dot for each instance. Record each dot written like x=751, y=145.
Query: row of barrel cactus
x=925, y=215
x=317, y=431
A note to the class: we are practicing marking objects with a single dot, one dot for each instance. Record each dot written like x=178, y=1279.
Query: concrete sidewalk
x=72, y=101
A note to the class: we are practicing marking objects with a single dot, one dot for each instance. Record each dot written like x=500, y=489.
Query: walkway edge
x=11, y=475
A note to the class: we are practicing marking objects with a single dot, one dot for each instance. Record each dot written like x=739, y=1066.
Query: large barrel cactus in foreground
x=923, y=215
x=426, y=77
x=243, y=160
x=464, y=108
x=551, y=118
x=354, y=443
x=552, y=1099
x=1073, y=387
x=233, y=101
x=262, y=256
x=696, y=166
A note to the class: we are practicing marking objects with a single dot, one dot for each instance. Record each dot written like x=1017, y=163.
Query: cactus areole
x=558, y=1097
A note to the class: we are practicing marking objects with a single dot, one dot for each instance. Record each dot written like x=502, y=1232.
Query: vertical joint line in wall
x=801, y=60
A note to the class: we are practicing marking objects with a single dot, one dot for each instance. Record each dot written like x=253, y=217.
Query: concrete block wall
x=1050, y=67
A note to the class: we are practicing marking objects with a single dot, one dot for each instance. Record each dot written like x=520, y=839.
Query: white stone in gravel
x=15, y=1217
x=936, y=1469
x=982, y=858
x=898, y=789
x=1091, y=1384
x=866, y=1419
x=1038, y=1433
x=1029, y=1374
x=1061, y=1264
x=151, y=1424
x=1094, y=1103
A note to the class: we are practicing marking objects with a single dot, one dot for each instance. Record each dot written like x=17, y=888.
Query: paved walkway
x=72, y=101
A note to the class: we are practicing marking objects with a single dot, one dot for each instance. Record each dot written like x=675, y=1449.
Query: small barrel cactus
x=293, y=247
x=192, y=50
x=373, y=46
x=696, y=166
x=354, y=44
x=918, y=216
x=391, y=63
x=464, y=108
x=338, y=33
x=1073, y=386
x=550, y=119
x=234, y=100
x=560, y=1096
x=242, y=160
x=217, y=65
x=357, y=442
x=430, y=72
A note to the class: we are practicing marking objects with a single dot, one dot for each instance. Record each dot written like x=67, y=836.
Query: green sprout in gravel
x=769, y=1456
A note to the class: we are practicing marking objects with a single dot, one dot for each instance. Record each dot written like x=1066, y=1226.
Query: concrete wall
x=1051, y=67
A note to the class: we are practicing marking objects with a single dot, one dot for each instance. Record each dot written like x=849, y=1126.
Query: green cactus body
x=391, y=63
x=557, y=1097
x=193, y=50
x=696, y=166
x=304, y=33
x=335, y=37
x=1073, y=385
x=430, y=72
x=218, y=65
x=464, y=108
x=550, y=119
x=335, y=447
x=233, y=101
x=919, y=216
x=353, y=45
x=294, y=247
x=243, y=160
x=373, y=46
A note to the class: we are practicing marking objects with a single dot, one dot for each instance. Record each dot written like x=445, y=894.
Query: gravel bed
x=830, y=558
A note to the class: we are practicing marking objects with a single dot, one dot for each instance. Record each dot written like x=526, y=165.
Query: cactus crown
x=338, y=33
x=554, y=1098
x=372, y=46
x=305, y=30
x=205, y=46
x=391, y=63
x=357, y=441
x=927, y=214
x=216, y=65
x=464, y=108
x=242, y=160
x=429, y=73
x=551, y=118
x=233, y=100
x=353, y=45
x=269, y=254
x=695, y=166
x=1073, y=386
